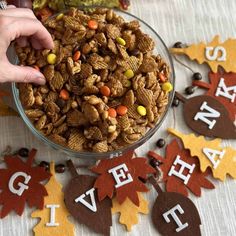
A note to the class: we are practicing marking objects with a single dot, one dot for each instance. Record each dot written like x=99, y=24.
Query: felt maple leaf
x=173, y=182
x=129, y=211
x=210, y=154
x=220, y=54
x=218, y=83
x=62, y=226
x=136, y=168
x=20, y=173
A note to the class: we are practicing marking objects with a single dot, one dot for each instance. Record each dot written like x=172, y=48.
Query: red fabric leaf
x=105, y=183
x=174, y=183
x=35, y=193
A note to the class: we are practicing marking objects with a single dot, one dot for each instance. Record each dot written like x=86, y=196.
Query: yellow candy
x=120, y=41
x=167, y=86
x=51, y=58
x=129, y=74
x=60, y=16
x=142, y=110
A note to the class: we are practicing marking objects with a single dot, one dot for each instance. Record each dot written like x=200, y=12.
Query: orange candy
x=162, y=77
x=121, y=110
x=64, y=94
x=105, y=91
x=112, y=112
x=92, y=24
x=76, y=56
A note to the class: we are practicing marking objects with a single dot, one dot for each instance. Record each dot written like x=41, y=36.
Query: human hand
x=20, y=24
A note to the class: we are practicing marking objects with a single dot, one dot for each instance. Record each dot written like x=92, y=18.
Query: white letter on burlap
x=22, y=186
x=212, y=113
x=92, y=206
x=172, y=212
x=119, y=174
x=179, y=173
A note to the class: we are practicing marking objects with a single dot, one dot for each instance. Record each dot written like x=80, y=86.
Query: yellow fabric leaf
x=55, y=197
x=214, y=48
x=129, y=211
x=222, y=163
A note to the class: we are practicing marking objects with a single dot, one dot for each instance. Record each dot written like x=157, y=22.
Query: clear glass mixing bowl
x=162, y=50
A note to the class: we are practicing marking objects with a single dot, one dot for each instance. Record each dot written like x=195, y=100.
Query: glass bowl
x=161, y=49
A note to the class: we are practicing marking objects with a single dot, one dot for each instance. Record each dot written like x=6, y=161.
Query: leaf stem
x=72, y=168
x=181, y=97
x=155, y=184
x=31, y=157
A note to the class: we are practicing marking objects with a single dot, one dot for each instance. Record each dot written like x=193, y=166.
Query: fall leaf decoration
x=222, y=87
x=214, y=54
x=210, y=154
x=54, y=216
x=207, y=116
x=129, y=211
x=174, y=214
x=5, y=110
x=180, y=171
x=121, y=175
x=20, y=183
x=82, y=203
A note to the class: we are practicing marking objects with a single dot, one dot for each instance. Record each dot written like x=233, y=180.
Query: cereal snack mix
x=104, y=89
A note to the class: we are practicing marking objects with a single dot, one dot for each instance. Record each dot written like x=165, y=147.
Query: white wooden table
x=175, y=20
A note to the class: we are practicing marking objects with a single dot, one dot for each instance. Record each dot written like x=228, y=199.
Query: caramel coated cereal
x=103, y=87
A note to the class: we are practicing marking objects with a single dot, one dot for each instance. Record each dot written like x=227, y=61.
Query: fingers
x=35, y=43
x=22, y=41
x=10, y=6
x=26, y=27
x=23, y=74
x=18, y=12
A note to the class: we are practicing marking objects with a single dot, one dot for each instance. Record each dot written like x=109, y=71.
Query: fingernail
x=40, y=81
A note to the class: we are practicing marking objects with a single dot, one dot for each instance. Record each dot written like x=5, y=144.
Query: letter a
x=211, y=155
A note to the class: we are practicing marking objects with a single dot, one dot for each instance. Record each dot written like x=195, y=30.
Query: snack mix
x=104, y=89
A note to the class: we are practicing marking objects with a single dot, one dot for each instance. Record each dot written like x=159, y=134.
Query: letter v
x=92, y=206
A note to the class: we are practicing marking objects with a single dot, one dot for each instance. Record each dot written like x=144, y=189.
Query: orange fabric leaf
x=173, y=182
x=33, y=194
x=136, y=167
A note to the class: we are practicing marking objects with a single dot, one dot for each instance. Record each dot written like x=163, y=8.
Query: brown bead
x=154, y=163
x=44, y=164
x=178, y=45
x=190, y=90
x=160, y=143
x=23, y=152
x=60, y=168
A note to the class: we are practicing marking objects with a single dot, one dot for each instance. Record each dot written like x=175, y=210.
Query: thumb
x=24, y=74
